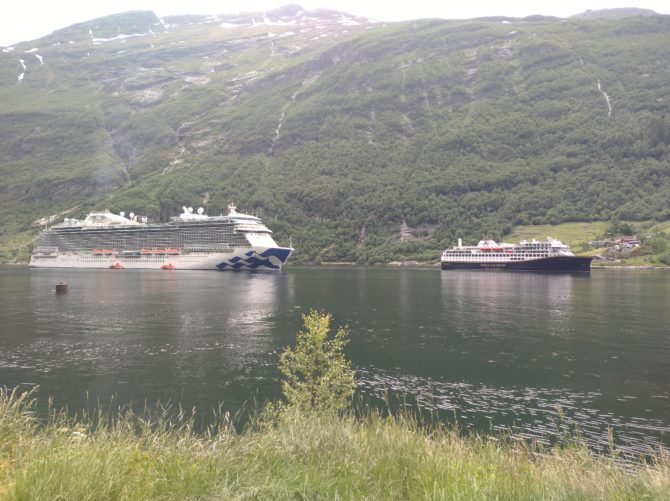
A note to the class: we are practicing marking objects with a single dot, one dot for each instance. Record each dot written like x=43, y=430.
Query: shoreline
x=410, y=264
x=406, y=264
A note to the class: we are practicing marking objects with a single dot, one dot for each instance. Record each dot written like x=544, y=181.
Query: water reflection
x=498, y=349
x=546, y=298
x=185, y=335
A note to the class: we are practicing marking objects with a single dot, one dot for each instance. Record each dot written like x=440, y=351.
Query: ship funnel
x=200, y=210
x=122, y=214
x=460, y=243
x=131, y=215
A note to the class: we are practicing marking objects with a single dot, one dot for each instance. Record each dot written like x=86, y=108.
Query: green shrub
x=316, y=373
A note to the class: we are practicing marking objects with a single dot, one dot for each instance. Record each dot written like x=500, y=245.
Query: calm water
x=490, y=349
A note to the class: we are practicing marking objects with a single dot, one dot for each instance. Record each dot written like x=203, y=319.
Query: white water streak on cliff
x=607, y=99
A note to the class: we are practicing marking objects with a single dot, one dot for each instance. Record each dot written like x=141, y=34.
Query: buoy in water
x=61, y=288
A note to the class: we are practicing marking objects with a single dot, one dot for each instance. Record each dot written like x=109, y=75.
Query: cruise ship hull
x=547, y=264
x=251, y=258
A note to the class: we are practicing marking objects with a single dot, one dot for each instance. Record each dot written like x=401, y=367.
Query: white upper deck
x=101, y=219
x=490, y=250
x=245, y=223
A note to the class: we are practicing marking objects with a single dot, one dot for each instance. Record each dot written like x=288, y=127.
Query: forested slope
x=359, y=141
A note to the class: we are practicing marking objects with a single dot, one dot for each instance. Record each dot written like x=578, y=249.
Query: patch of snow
x=121, y=51
x=55, y=44
x=90, y=32
x=512, y=33
x=230, y=25
x=32, y=50
x=166, y=26
x=267, y=22
x=40, y=58
x=23, y=64
x=507, y=22
x=151, y=46
x=287, y=34
x=20, y=78
x=8, y=49
x=118, y=37
x=72, y=41
x=347, y=21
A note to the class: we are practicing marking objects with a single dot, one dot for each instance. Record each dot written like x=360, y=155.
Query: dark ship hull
x=548, y=264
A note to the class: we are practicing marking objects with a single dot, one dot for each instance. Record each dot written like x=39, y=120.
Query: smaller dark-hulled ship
x=548, y=255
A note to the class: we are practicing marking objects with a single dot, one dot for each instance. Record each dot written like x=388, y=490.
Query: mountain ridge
x=612, y=14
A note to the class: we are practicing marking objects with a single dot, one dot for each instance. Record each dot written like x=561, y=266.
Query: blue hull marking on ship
x=558, y=264
x=255, y=261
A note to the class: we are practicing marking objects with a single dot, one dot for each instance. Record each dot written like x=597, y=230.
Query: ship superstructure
x=534, y=255
x=189, y=241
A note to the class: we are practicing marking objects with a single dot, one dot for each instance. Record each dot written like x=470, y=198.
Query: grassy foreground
x=291, y=454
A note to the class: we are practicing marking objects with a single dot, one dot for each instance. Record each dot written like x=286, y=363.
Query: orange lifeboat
x=168, y=267
x=116, y=266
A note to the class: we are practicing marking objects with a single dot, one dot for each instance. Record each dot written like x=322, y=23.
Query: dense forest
x=357, y=141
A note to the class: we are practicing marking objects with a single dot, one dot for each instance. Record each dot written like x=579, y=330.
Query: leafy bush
x=317, y=374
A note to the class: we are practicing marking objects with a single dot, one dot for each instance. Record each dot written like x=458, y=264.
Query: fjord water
x=543, y=354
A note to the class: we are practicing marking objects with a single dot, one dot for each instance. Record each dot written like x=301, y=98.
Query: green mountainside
x=358, y=141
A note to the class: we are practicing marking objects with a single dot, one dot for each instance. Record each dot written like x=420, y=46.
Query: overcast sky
x=22, y=20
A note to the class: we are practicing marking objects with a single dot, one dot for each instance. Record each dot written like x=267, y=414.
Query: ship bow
x=272, y=258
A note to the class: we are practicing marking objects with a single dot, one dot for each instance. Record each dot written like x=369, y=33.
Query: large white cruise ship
x=534, y=255
x=190, y=241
